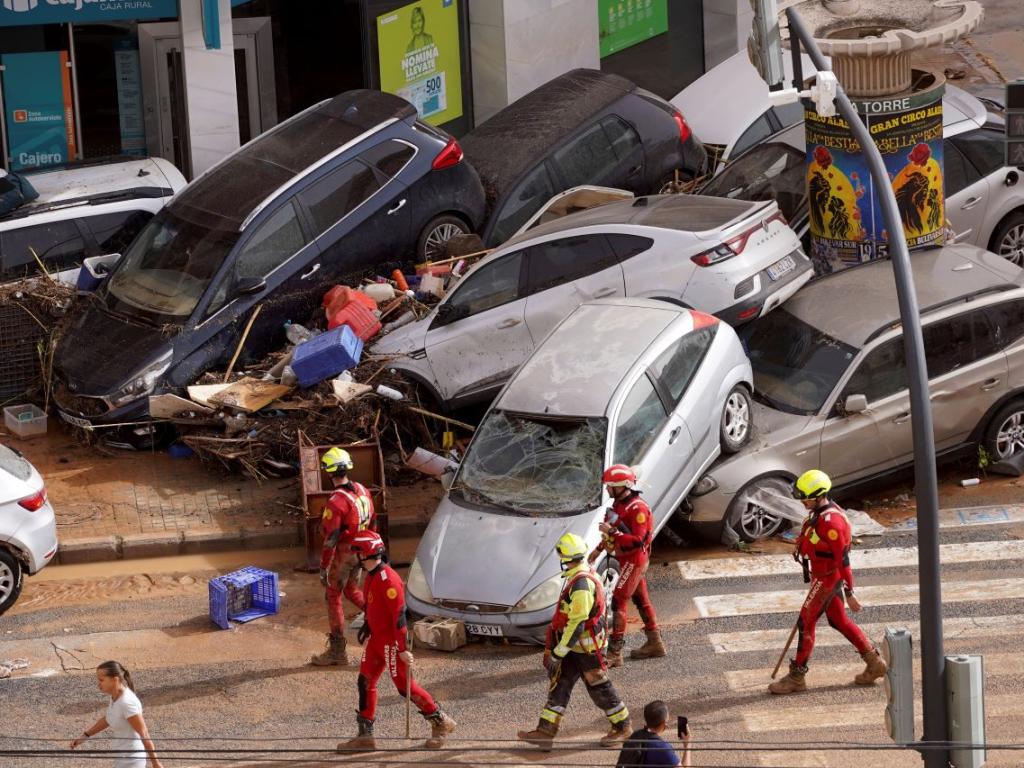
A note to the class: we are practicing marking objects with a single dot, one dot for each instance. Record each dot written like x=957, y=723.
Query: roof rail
x=968, y=297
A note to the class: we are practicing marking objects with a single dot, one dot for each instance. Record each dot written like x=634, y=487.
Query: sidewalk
x=125, y=505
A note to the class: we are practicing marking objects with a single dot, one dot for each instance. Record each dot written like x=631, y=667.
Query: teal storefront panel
x=13, y=12
x=37, y=99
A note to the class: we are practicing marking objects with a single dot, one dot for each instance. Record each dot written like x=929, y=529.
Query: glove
x=323, y=576
x=552, y=664
x=363, y=633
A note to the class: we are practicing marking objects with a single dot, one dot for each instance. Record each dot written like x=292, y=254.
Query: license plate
x=75, y=421
x=781, y=267
x=488, y=630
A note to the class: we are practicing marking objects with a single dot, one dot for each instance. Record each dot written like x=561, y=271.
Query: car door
x=479, y=336
x=645, y=435
x=515, y=208
x=985, y=150
x=630, y=171
x=564, y=273
x=967, y=194
x=590, y=158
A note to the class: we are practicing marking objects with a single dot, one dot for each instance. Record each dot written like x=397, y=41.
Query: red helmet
x=619, y=475
x=367, y=544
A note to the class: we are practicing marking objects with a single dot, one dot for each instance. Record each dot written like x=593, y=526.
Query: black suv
x=338, y=189
x=583, y=127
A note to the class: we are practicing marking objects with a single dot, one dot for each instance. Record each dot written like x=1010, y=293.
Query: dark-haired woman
x=124, y=718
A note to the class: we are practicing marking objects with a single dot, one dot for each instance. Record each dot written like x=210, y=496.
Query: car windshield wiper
x=474, y=496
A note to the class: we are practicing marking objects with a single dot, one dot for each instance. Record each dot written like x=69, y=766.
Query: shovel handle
x=785, y=650
x=408, y=701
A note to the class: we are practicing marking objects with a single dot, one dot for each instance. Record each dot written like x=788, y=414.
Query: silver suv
x=830, y=383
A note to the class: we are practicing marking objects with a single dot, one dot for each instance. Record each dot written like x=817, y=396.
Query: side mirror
x=249, y=285
x=449, y=312
x=855, y=404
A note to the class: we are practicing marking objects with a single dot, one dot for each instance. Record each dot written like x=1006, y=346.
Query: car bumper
x=529, y=627
x=771, y=294
x=70, y=411
x=37, y=538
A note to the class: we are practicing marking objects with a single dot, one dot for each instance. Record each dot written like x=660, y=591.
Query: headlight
x=417, y=583
x=143, y=382
x=705, y=485
x=542, y=596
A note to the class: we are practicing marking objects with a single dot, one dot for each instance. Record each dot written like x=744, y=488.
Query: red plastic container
x=340, y=295
x=361, y=320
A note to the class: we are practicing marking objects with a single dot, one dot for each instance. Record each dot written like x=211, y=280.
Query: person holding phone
x=647, y=748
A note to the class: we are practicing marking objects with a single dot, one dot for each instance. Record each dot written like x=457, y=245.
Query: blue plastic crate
x=242, y=596
x=326, y=355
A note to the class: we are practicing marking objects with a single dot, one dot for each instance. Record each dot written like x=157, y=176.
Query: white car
x=619, y=381
x=734, y=259
x=84, y=209
x=28, y=528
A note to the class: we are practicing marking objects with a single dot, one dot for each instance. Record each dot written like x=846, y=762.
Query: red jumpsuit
x=348, y=510
x=825, y=542
x=385, y=616
x=630, y=542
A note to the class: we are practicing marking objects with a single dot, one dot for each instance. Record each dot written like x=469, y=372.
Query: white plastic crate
x=25, y=420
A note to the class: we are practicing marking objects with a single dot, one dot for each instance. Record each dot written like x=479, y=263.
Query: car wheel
x=1008, y=240
x=736, y=420
x=439, y=230
x=609, y=572
x=750, y=518
x=1005, y=434
x=10, y=579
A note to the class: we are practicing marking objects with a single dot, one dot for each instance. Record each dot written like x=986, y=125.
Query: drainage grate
x=19, y=356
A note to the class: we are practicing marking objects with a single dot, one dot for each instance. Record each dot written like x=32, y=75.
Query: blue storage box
x=242, y=596
x=94, y=270
x=326, y=355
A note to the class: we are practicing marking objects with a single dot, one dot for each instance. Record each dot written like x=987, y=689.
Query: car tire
x=608, y=571
x=437, y=232
x=1008, y=239
x=752, y=522
x=1004, y=436
x=736, y=422
x=10, y=580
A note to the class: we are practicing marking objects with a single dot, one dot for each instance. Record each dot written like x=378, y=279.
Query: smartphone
x=681, y=726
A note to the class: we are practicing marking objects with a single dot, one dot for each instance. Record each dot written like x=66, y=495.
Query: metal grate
x=19, y=354
x=84, y=406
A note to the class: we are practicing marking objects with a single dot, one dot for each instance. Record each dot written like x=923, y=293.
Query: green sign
x=420, y=59
x=623, y=23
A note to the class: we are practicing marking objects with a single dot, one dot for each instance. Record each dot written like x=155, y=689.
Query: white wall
x=726, y=29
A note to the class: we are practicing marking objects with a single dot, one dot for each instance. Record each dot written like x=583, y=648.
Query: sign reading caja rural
x=418, y=46
x=14, y=12
x=846, y=222
x=622, y=23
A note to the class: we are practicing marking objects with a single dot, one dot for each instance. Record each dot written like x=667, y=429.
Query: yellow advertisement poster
x=418, y=46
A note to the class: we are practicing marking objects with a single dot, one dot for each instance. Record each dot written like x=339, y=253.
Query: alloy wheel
x=737, y=418
x=1010, y=436
x=1011, y=247
x=758, y=523
x=438, y=236
x=7, y=580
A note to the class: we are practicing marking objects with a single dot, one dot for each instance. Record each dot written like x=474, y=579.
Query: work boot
x=364, y=742
x=654, y=648
x=791, y=683
x=874, y=670
x=335, y=653
x=619, y=733
x=613, y=656
x=440, y=726
x=542, y=736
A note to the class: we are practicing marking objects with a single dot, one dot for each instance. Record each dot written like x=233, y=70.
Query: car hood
x=123, y=346
x=472, y=555
x=402, y=341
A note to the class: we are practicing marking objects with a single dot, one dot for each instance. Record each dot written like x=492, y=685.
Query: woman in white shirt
x=124, y=718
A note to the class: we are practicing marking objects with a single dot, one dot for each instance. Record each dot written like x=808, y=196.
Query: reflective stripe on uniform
x=617, y=714
x=551, y=715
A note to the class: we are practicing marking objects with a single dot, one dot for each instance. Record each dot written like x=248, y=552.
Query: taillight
x=734, y=245
x=702, y=319
x=449, y=156
x=34, y=502
x=684, y=129
x=748, y=313
x=716, y=255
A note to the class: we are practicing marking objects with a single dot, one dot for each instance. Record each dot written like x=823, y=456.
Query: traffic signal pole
x=926, y=480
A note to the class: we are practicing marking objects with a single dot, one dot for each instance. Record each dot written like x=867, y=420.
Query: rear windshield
x=12, y=463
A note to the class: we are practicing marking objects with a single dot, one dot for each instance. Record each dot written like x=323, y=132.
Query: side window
x=640, y=420
x=338, y=194
x=959, y=341
x=985, y=149
x=115, y=231
x=490, y=286
x=759, y=130
x=957, y=173
x=524, y=201
x=882, y=373
x=277, y=240
x=561, y=261
x=59, y=245
x=623, y=138
x=388, y=157
x=678, y=364
x=789, y=114
x=1008, y=321
x=628, y=246
x=586, y=158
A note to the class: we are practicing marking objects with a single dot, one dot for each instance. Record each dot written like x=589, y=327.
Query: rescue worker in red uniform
x=628, y=530
x=384, y=635
x=575, y=643
x=824, y=544
x=348, y=511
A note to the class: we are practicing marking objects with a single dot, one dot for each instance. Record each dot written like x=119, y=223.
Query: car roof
x=577, y=369
x=854, y=304
x=74, y=182
x=685, y=213
x=515, y=138
x=224, y=196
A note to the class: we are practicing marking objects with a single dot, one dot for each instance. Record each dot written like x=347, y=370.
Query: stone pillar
x=726, y=29
x=518, y=45
x=211, y=102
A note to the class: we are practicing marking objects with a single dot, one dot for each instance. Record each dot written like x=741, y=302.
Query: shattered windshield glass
x=533, y=465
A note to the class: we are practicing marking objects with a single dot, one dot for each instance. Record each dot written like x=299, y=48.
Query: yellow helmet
x=570, y=548
x=812, y=484
x=336, y=458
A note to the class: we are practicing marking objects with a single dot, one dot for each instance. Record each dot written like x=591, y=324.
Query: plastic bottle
x=399, y=279
x=403, y=319
x=379, y=292
x=297, y=333
x=388, y=392
x=288, y=377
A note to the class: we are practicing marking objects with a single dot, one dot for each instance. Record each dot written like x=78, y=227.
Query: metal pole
x=926, y=482
x=74, y=91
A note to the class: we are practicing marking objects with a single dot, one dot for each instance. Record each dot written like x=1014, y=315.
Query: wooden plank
x=201, y=393
x=249, y=394
x=170, y=406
